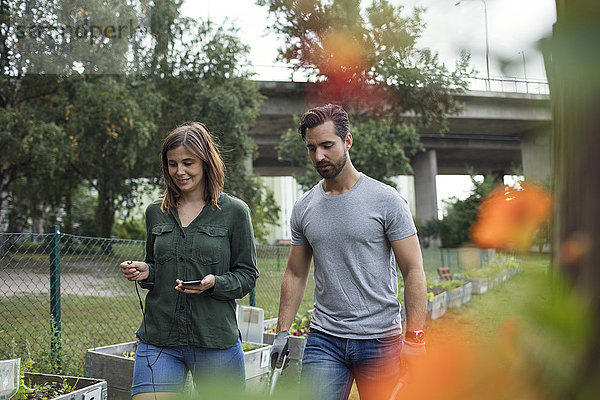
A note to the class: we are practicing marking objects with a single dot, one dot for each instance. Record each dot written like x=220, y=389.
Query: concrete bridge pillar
x=535, y=153
x=425, y=169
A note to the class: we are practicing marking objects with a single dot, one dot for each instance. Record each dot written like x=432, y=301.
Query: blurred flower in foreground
x=509, y=217
x=343, y=57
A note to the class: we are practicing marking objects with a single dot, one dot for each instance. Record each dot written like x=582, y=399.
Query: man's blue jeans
x=330, y=364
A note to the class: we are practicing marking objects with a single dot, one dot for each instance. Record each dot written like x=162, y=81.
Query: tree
x=53, y=52
x=113, y=98
x=206, y=80
x=369, y=63
x=113, y=127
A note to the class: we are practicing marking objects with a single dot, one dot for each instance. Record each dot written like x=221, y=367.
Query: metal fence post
x=55, y=297
x=277, y=249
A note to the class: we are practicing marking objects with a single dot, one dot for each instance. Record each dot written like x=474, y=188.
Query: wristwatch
x=417, y=336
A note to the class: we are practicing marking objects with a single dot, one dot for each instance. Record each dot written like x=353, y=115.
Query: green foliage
x=44, y=391
x=206, y=81
x=301, y=324
x=563, y=323
x=454, y=228
x=445, y=285
x=82, y=216
x=248, y=346
x=368, y=62
x=491, y=269
x=24, y=390
x=428, y=231
x=86, y=126
x=130, y=229
x=369, y=58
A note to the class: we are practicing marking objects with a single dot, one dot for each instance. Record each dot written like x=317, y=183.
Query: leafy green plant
x=247, y=346
x=301, y=324
x=47, y=390
x=44, y=391
x=447, y=285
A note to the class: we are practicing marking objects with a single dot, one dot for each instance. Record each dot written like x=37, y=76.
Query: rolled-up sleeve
x=242, y=274
x=149, y=259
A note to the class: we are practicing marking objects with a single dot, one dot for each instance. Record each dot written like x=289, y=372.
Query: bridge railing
x=510, y=85
x=505, y=84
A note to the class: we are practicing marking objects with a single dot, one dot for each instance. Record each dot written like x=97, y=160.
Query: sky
x=514, y=28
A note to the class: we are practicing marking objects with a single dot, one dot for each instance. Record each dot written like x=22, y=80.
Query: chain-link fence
x=62, y=294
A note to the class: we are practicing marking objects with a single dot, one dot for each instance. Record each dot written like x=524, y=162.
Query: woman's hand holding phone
x=196, y=286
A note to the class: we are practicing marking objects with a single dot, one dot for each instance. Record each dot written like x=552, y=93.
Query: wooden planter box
x=438, y=305
x=467, y=290
x=108, y=363
x=480, y=285
x=455, y=297
x=257, y=362
x=497, y=280
x=85, y=388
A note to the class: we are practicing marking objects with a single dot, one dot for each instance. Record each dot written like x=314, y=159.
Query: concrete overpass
x=497, y=133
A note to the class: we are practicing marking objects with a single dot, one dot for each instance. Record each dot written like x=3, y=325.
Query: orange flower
x=509, y=217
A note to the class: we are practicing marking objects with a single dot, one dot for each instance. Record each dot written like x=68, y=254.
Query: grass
x=87, y=321
x=485, y=315
x=483, y=322
x=94, y=320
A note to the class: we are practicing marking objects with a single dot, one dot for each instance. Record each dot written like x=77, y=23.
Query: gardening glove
x=279, y=349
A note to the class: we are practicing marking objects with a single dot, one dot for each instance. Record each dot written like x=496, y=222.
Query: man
x=352, y=226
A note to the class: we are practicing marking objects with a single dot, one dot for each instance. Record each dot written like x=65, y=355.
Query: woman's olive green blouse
x=220, y=241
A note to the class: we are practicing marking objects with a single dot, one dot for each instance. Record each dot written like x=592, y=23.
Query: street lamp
x=487, y=46
x=522, y=52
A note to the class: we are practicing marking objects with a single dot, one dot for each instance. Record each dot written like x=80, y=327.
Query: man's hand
x=279, y=349
x=412, y=356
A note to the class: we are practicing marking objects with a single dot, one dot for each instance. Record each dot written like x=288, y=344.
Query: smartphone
x=194, y=282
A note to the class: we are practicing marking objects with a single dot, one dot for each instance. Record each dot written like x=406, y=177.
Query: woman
x=195, y=233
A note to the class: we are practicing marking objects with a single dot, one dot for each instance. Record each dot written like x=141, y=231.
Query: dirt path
x=15, y=282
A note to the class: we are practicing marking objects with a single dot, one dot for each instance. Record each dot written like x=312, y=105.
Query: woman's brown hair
x=196, y=138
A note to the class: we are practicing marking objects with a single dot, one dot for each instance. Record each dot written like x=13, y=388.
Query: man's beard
x=335, y=169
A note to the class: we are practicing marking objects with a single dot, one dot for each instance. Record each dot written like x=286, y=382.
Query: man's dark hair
x=319, y=115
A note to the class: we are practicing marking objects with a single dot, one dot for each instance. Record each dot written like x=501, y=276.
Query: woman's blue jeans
x=164, y=369
x=330, y=364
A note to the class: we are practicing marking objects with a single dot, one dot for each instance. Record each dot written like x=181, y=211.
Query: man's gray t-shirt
x=356, y=284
